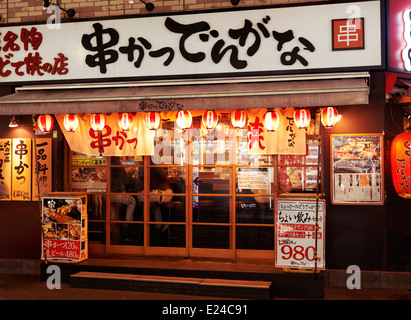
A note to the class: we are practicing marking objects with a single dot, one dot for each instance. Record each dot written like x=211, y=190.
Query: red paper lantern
x=45, y=123
x=302, y=118
x=210, y=119
x=153, y=120
x=271, y=120
x=401, y=164
x=97, y=122
x=239, y=118
x=184, y=119
x=329, y=117
x=125, y=121
x=71, y=122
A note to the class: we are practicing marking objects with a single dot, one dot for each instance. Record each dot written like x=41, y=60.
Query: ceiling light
x=13, y=123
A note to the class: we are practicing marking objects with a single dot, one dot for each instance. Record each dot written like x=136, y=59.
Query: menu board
x=297, y=241
x=64, y=222
x=357, y=175
x=5, y=169
x=42, y=168
x=253, y=178
x=21, y=169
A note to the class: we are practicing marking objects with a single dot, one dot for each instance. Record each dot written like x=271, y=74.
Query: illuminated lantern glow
x=271, y=120
x=407, y=37
x=97, y=122
x=302, y=118
x=45, y=123
x=153, y=120
x=184, y=119
x=71, y=122
x=401, y=164
x=239, y=118
x=329, y=117
x=125, y=121
x=210, y=119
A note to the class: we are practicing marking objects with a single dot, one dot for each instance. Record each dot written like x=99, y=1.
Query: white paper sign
x=296, y=236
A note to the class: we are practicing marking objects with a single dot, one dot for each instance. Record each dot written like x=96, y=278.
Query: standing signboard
x=64, y=221
x=296, y=238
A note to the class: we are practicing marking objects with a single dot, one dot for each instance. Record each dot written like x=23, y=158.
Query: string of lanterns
x=302, y=118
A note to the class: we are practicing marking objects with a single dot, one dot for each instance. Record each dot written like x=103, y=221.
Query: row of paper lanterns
x=302, y=118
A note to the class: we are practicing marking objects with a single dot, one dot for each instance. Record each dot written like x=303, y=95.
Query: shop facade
x=207, y=182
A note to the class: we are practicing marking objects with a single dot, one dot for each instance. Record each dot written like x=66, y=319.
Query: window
x=201, y=193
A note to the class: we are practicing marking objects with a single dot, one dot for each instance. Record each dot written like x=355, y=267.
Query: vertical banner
x=44, y=163
x=5, y=169
x=295, y=234
x=21, y=169
x=287, y=139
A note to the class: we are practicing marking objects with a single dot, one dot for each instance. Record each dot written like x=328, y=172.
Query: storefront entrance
x=202, y=194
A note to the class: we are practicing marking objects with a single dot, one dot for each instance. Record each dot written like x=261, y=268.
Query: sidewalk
x=29, y=287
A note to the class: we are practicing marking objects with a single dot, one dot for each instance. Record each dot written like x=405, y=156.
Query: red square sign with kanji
x=348, y=34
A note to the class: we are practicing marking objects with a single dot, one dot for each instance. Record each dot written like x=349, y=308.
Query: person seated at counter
x=118, y=183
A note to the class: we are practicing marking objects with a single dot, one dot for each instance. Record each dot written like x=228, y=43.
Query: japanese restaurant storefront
x=205, y=179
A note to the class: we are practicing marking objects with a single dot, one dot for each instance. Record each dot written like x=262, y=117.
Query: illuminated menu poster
x=357, y=169
x=44, y=167
x=88, y=173
x=64, y=222
x=253, y=178
x=21, y=169
x=296, y=238
x=5, y=169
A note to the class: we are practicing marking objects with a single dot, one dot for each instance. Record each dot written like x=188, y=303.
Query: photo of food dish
x=74, y=231
x=61, y=211
x=356, y=168
x=62, y=231
x=85, y=179
x=356, y=154
x=49, y=230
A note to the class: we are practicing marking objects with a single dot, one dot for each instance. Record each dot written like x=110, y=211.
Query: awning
x=270, y=92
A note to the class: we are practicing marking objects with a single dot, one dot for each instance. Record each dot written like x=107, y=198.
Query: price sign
x=64, y=249
x=296, y=238
x=64, y=228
